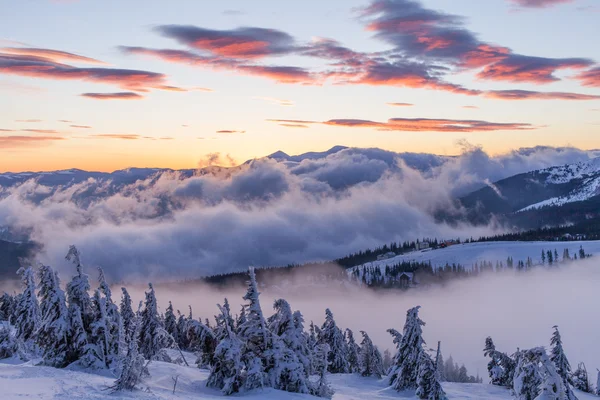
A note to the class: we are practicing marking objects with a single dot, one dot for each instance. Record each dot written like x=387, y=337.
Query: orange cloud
x=116, y=136
x=8, y=142
x=400, y=104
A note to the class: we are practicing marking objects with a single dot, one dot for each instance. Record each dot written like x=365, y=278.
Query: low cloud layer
x=175, y=224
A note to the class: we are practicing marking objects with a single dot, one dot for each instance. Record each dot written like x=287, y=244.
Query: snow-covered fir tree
x=52, y=333
x=429, y=386
x=255, y=336
x=322, y=388
x=598, y=384
x=132, y=364
x=289, y=328
x=203, y=340
x=171, y=323
x=183, y=331
x=404, y=372
x=9, y=343
x=581, y=380
x=127, y=315
x=561, y=363
x=153, y=336
x=370, y=361
x=285, y=371
x=333, y=336
x=98, y=338
x=224, y=321
x=78, y=288
x=114, y=325
x=7, y=308
x=527, y=378
x=240, y=318
x=501, y=367
x=353, y=352
x=227, y=369
x=27, y=310
x=552, y=386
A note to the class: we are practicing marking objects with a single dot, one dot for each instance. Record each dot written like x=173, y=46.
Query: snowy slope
x=469, y=253
x=23, y=382
x=589, y=174
x=44, y=383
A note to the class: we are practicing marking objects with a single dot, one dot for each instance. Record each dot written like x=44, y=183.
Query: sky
x=109, y=85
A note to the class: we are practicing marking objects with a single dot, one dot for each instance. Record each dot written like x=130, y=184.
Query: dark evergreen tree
x=127, y=315
x=581, y=380
x=439, y=364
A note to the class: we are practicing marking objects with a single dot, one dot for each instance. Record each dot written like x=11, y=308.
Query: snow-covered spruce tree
x=321, y=388
x=439, y=364
x=370, y=361
x=98, y=340
x=227, y=369
x=285, y=371
x=203, y=340
x=27, y=310
x=255, y=336
x=429, y=386
x=299, y=342
x=127, y=315
x=9, y=344
x=171, y=323
x=333, y=336
x=224, y=321
x=289, y=327
x=114, y=324
x=527, y=378
x=182, y=331
x=552, y=386
x=7, y=307
x=598, y=384
x=561, y=363
x=353, y=352
x=53, y=329
x=153, y=336
x=78, y=289
x=132, y=365
x=501, y=367
x=404, y=373
x=581, y=380
x=241, y=318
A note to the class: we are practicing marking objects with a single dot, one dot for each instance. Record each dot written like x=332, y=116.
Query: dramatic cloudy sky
x=111, y=84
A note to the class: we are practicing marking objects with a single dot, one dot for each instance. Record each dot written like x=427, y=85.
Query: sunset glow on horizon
x=102, y=86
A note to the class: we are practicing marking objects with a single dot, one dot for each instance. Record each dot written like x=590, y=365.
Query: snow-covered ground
x=27, y=381
x=470, y=253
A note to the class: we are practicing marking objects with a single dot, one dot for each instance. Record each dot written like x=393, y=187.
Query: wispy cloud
x=294, y=125
x=113, y=96
x=227, y=131
x=274, y=100
x=46, y=131
x=533, y=95
x=8, y=142
x=539, y=3
x=422, y=124
x=400, y=104
x=81, y=126
x=116, y=136
x=28, y=120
